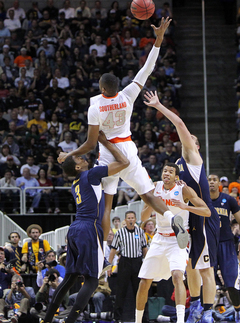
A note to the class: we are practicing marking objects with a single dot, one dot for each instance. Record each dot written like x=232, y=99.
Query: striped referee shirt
x=129, y=242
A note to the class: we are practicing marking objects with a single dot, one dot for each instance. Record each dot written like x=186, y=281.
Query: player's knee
x=177, y=277
x=144, y=285
x=207, y=274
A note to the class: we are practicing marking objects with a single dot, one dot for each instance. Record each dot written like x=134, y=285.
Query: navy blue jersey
x=88, y=194
x=225, y=204
x=199, y=224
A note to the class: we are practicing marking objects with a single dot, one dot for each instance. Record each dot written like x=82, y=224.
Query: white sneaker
x=162, y=318
x=31, y=210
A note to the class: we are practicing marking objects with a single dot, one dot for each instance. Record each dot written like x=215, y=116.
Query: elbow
x=126, y=163
x=208, y=213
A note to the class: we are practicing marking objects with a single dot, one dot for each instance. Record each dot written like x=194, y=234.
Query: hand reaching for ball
x=160, y=31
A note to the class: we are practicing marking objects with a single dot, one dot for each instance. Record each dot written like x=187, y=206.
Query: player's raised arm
x=199, y=208
x=87, y=146
x=146, y=70
x=121, y=160
x=188, y=141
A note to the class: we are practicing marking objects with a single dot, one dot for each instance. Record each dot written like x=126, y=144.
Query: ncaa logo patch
x=176, y=193
x=224, y=200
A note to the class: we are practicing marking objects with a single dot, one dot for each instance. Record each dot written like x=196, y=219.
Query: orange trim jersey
x=113, y=114
x=167, y=195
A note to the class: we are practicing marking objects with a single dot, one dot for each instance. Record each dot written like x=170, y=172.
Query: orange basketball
x=142, y=9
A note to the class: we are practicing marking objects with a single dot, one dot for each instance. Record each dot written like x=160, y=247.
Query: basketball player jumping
x=111, y=112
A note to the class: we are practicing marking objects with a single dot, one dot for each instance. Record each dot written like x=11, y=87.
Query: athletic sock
x=180, y=309
x=168, y=215
x=138, y=316
x=193, y=299
x=207, y=307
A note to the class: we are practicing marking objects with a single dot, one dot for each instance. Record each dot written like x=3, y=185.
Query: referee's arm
x=110, y=259
x=144, y=251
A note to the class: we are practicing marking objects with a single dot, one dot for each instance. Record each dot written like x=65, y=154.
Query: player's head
x=108, y=84
x=170, y=173
x=214, y=182
x=73, y=165
x=197, y=142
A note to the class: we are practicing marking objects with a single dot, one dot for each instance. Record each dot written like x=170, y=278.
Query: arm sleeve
x=96, y=174
x=148, y=67
x=93, y=118
x=25, y=248
x=46, y=245
x=132, y=91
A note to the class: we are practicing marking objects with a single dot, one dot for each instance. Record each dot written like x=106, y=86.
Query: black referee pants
x=128, y=269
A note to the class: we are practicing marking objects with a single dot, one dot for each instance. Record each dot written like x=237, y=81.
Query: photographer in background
x=21, y=295
x=49, y=263
x=50, y=282
x=5, y=281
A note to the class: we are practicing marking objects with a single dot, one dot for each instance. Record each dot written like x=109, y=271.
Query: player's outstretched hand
x=62, y=156
x=102, y=138
x=152, y=99
x=178, y=204
x=160, y=31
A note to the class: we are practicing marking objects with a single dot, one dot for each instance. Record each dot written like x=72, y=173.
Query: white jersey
x=113, y=114
x=163, y=225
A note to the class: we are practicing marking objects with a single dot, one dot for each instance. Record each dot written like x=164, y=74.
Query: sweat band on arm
x=148, y=67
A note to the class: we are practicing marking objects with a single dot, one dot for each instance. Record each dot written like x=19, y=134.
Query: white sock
x=180, y=309
x=138, y=316
x=168, y=215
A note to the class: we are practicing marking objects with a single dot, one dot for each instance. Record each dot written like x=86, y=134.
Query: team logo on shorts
x=176, y=193
x=206, y=258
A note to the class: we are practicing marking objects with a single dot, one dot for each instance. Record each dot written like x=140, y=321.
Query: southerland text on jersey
x=111, y=107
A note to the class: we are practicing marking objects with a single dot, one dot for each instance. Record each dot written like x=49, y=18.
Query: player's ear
x=78, y=167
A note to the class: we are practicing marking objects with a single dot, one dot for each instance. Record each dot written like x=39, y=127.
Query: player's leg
x=58, y=296
x=194, y=284
x=106, y=217
x=209, y=292
x=85, y=293
x=141, y=299
x=180, y=294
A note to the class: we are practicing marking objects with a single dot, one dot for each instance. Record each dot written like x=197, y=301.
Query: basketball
x=142, y=9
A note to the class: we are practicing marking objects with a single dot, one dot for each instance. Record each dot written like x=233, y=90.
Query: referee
x=132, y=244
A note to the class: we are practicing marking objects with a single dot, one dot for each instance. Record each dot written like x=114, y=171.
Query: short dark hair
x=174, y=166
x=52, y=271
x=69, y=167
x=115, y=218
x=128, y=212
x=9, y=236
x=110, y=83
x=50, y=251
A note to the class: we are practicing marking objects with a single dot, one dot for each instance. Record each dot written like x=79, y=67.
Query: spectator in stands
x=34, y=250
x=5, y=153
x=13, y=250
x=53, y=170
x=31, y=166
x=169, y=155
x=144, y=154
x=20, y=60
x=99, y=47
x=20, y=124
x=28, y=181
x=10, y=164
x=13, y=101
x=148, y=39
x=48, y=194
x=54, y=92
x=53, y=11
x=148, y=227
x=12, y=23
x=47, y=48
x=41, y=124
x=4, y=32
x=19, y=13
x=49, y=263
x=52, y=137
x=14, y=147
x=6, y=53
x=77, y=125
x=26, y=80
x=4, y=126
x=223, y=183
x=68, y=11
x=116, y=224
x=8, y=196
x=63, y=82
x=66, y=195
x=153, y=168
x=126, y=193
x=68, y=145
x=97, y=8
